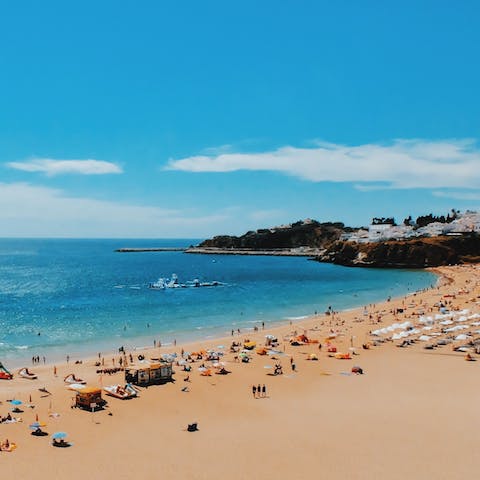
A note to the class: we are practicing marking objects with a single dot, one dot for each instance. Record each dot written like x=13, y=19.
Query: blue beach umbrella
x=59, y=435
x=36, y=425
x=16, y=402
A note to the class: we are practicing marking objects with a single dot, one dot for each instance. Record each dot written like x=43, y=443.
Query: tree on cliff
x=383, y=221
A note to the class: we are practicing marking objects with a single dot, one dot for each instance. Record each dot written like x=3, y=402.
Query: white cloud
x=59, y=167
x=400, y=164
x=34, y=211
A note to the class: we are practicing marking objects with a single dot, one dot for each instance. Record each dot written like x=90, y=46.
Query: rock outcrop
x=409, y=253
x=310, y=234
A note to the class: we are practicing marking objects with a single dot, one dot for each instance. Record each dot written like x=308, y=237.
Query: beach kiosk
x=89, y=398
x=149, y=373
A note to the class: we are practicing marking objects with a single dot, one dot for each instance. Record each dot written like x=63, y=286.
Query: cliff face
x=411, y=253
x=312, y=234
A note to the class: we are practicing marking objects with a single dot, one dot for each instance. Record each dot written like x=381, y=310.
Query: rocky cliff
x=411, y=253
x=301, y=234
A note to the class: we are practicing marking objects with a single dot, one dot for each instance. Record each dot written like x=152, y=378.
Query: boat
x=24, y=373
x=163, y=283
x=4, y=373
x=196, y=283
x=117, y=391
x=71, y=378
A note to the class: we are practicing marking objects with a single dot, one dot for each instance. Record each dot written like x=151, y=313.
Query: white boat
x=160, y=284
x=117, y=391
x=24, y=373
x=163, y=283
x=71, y=378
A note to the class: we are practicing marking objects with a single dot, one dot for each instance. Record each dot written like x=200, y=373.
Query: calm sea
x=80, y=296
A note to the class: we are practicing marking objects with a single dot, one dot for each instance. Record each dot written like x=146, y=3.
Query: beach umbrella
x=36, y=425
x=16, y=402
x=59, y=435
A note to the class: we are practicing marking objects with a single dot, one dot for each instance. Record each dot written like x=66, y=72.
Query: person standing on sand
x=259, y=390
x=254, y=391
x=54, y=370
x=264, y=391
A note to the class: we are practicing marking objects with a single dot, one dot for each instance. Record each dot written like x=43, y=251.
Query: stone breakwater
x=153, y=249
x=286, y=252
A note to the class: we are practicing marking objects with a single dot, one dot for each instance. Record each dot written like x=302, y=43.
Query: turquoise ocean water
x=82, y=297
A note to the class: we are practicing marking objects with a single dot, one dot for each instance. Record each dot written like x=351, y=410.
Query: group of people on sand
x=110, y=371
x=259, y=391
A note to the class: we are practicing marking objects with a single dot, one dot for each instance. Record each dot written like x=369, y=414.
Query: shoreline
x=273, y=327
x=317, y=408
x=57, y=354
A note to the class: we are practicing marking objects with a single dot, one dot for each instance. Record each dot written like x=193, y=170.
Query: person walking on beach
x=264, y=391
x=254, y=391
x=259, y=391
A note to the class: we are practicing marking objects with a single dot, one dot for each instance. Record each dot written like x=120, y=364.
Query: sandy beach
x=411, y=414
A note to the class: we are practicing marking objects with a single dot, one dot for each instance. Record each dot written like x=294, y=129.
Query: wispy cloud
x=29, y=210
x=399, y=164
x=53, y=167
x=458, y=195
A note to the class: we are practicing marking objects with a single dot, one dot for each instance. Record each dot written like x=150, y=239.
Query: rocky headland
x=324, y=242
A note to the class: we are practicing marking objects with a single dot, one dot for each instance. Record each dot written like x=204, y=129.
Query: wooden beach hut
x=149, y=373
x=89, y=398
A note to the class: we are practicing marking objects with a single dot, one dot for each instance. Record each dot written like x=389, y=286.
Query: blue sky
x=191, y=119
